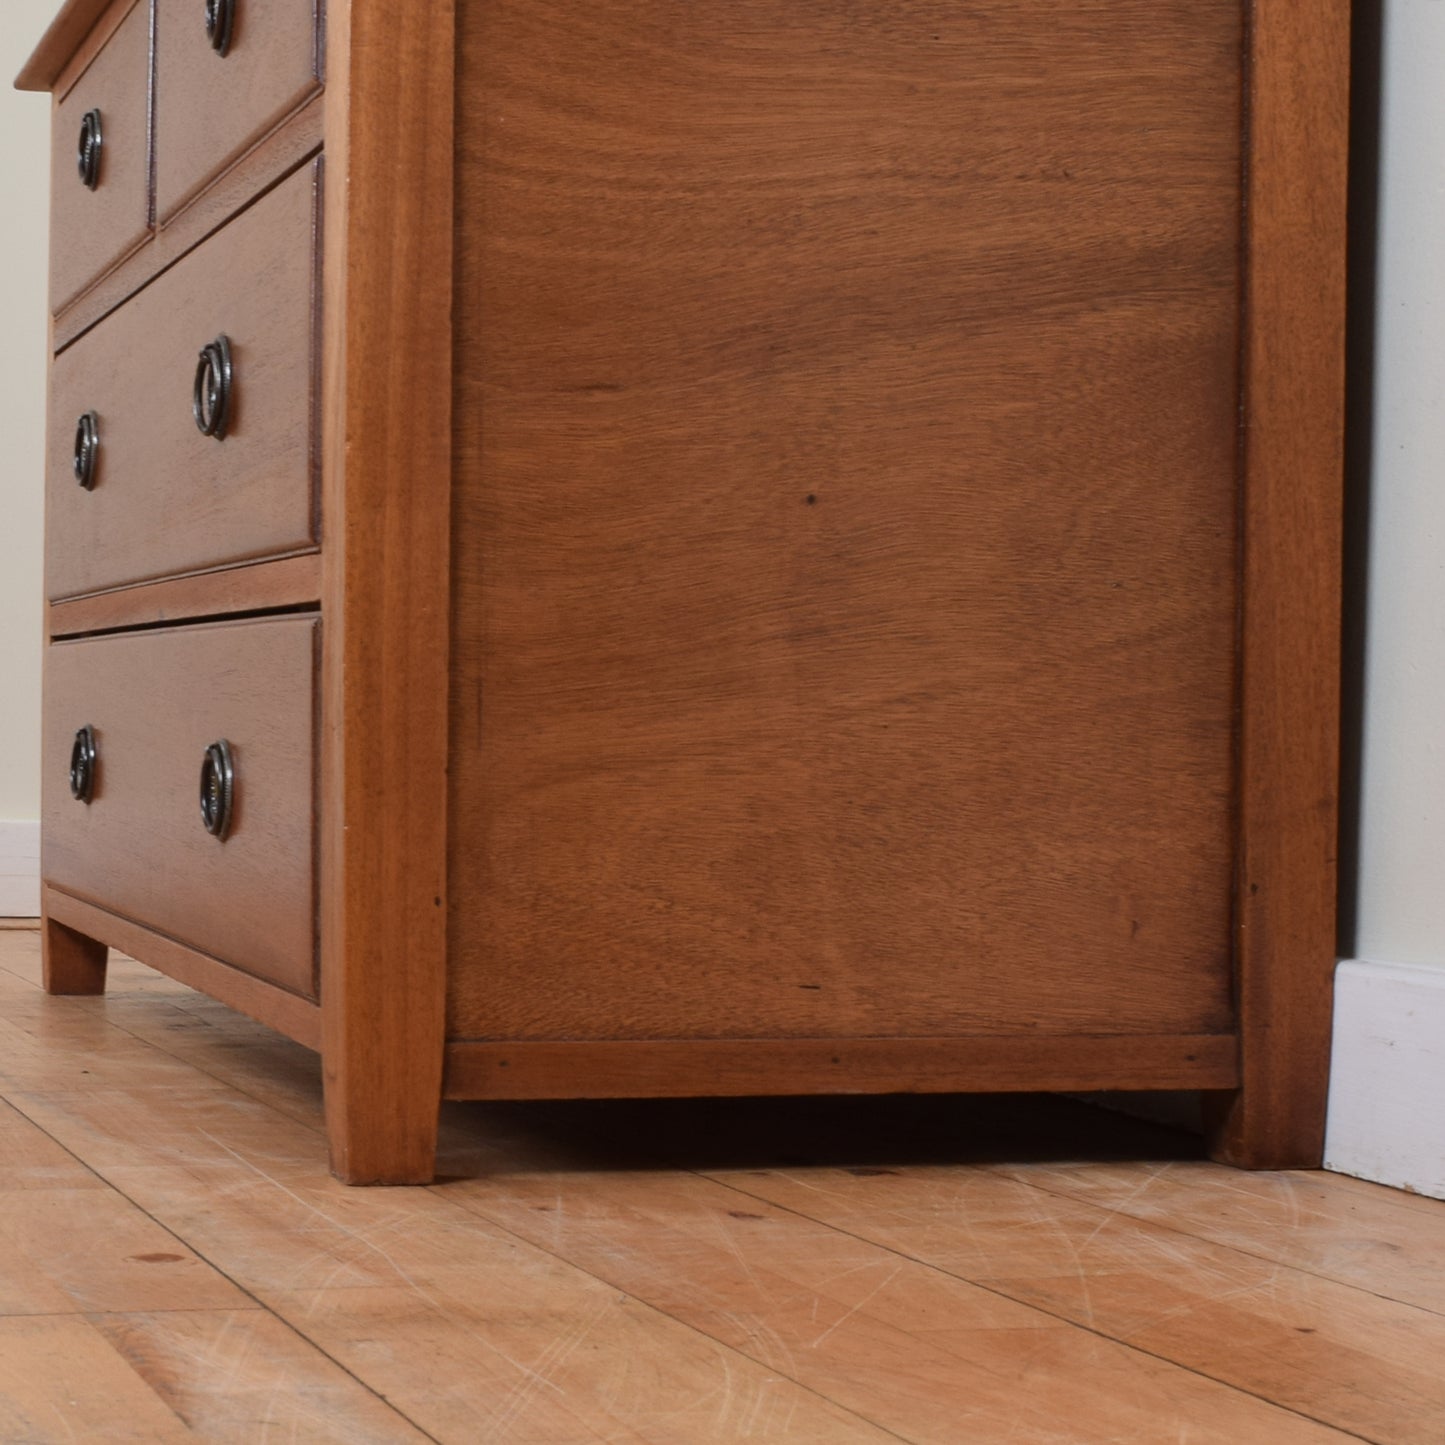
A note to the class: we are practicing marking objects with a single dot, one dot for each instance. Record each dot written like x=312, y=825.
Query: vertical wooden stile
x=1293, y=408
x=385, y=518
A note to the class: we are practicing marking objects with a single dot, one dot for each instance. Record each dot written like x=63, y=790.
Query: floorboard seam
x=1053, y=1314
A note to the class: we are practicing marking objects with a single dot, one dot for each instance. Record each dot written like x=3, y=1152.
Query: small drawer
x=136, y=489
x=130, y=722
x=226, y=72
x=100, y=162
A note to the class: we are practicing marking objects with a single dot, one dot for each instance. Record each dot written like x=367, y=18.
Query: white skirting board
x=1387, y=1076
x=19, y=869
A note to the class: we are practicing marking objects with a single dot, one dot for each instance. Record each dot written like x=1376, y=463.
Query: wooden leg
x=381, y=1116
x=73, y=962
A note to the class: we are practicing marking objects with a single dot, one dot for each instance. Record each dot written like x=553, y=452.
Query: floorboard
x=175, y=1264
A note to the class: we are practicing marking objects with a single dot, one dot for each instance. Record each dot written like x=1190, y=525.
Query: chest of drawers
x=656, y=549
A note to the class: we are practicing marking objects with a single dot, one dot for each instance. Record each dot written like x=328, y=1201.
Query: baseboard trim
x=19, y=868
x=1387, y=1081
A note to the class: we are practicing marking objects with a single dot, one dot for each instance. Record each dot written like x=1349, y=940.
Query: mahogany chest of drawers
x=656, y=548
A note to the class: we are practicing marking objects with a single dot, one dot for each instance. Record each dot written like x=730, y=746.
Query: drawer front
x=155, y=702
x=212, y=107
x=98, y=219
x=158, y=496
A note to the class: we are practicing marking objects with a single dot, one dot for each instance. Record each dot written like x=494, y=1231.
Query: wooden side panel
x=91, y=229
x=1294, y=401
x=156, y=701
x=166, y=498
x=211, y=107
x=385, y=578
x=846, y=519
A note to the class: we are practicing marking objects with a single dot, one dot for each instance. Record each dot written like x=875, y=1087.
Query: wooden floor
x=175, y=1263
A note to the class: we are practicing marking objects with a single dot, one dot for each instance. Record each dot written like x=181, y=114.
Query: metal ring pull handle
x=87, y=150
x=220, y=21
x=82, y=765
x=218, y=788
x=87, y=449
x=212, y=395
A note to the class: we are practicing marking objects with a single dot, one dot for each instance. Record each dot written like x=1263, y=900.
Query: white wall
x=24, y=182
x=1387, y=1111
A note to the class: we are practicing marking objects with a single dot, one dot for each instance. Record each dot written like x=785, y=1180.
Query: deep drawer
x=155, y=702
x=157, y=496
x=212, y=106
x=101, y=213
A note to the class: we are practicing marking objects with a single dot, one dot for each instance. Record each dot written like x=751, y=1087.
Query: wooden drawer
x=155, y=702
x=166, y=498
x=211, y=107
x=92, y=226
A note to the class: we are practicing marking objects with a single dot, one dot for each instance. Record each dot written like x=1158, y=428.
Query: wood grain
x=845, y=600
x=74, y=962
x=139, y=847
x=386, y=578
x=90, y=230
x=64, y=36
x=211, y=108
x=255, y=174
x=266, y=586
x=238, y=1376
x=1337, y=1354
x=1293, y=504
x=633, y=1069
x=841, y=1270
x=166, y=498
x=59, y=1380
x=298, y=1018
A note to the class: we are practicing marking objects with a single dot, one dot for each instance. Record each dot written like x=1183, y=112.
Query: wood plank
x=290, y=583
x=845, y=612
x=77, y=1250
x=926, y=1354
x=33, y=1160
x=589, y=1366
x=61, y=1382
x=1339, y=1355
x=295, y=1017
x=465, y=1330
x=239, y=1376
x=1292, y=509
x=1378, y=1239
x=387, y=500
x=648, y=1068
x=578, y=1282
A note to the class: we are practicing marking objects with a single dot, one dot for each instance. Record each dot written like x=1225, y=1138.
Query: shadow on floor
x=763, y=1133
